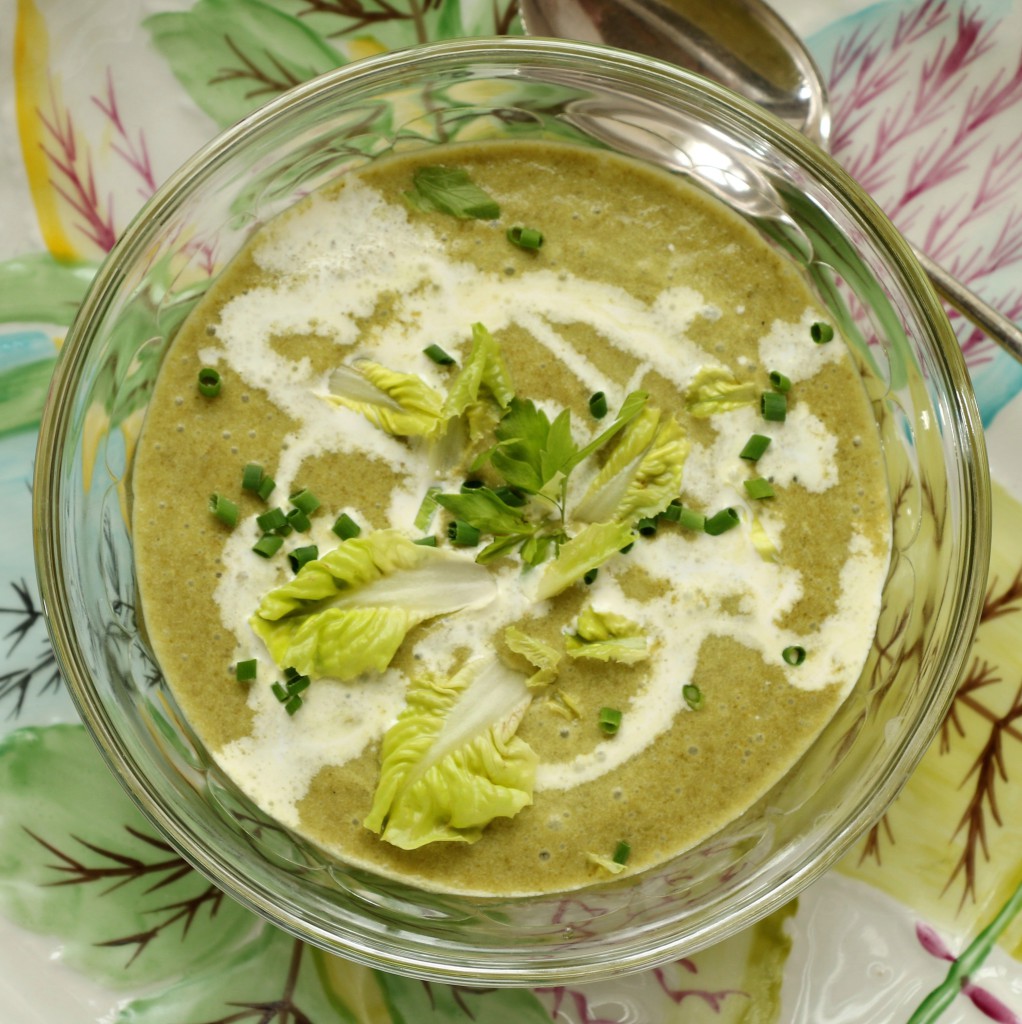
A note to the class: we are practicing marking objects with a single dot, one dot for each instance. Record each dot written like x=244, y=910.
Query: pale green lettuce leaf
x=402, y=404
x=539, y=654
x=348, y=612
x=483, y=371
x=588, y=549
x=716, y=389
x=642, y=474
x=607, y=636
x=451, y=763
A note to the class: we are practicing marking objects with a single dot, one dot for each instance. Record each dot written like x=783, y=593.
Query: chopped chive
x=758, y=488
x=720, y=522
x=290, y=673
x=345, y=527
x=672, y=513
x=463, y=534
x=272, y=520
x=426, y=542
x=266, y=486
x=627, y=548
x=305, y=500
x=268, y=545
x=297, y=684
x=245, y=671
x=598, y=405
x=293, y=704
x=298, y=520
x=821, y=333
x=774, y=406
x=251, y=477
x=280, y=692
x=693, y=696
x=300, y=556
x=755, y=447
x=646, y=526
x=609, y=721
x=438, y=355
x=467, y=486
x=525, y=238
x=224, y=509
x=621, y=853
x=692, y=520
x=590, y=576
x=511, y=496
x=794, y=655
x=780, y=382
x=209, y=382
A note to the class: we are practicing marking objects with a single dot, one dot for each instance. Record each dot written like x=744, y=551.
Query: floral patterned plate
x=101, y=921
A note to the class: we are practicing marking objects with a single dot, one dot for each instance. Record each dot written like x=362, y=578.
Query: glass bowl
x=788, y=191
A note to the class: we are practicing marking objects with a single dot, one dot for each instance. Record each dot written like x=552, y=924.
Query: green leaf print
x=418, y=1002
x=36, y=288
x=272, y=979
x=22, y=393
x=79, y=861
x=234, y=55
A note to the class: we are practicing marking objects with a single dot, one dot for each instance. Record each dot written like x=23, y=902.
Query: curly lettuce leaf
x=542, y=656
x=402, y=404
x=607, y=636
x=642, y=474
x=451, y=763
x=588, y=549
x=483, y=371
x=348, y=612
x=716, y=389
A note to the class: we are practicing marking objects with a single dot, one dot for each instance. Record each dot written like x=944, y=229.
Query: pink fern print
x=927, y=116
x=73, y=175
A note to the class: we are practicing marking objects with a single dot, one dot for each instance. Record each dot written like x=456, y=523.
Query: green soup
x=588, y=685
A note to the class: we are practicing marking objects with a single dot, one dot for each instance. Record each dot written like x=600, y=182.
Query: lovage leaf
x=531, y=451
x=450, y=190
x=487, y=512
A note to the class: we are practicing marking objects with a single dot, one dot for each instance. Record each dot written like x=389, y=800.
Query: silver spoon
x=745, y=46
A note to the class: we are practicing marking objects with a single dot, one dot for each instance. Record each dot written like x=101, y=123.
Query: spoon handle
x=979, y=313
